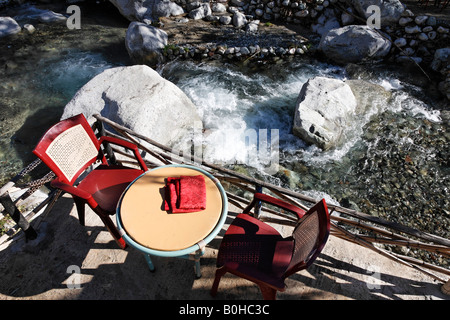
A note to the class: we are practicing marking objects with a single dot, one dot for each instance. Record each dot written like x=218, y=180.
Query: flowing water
x=394, y=163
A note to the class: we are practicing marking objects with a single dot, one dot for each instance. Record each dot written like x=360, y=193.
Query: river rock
x=391, y=10
x=138, y=10
x=442, y=29
x=420, y=20
x=400, y=42
x=354, y=43
x=239, y=20
x=200, y=12
x=218, y=7
x=145, y=43
x=441, y=59
x=413, y=29
x=252, y=26
x=138, y=98
x=33, y=14
x=323, y=110
x=225, y=20
x=8, y=27
x=327, y=25
x=403, y=21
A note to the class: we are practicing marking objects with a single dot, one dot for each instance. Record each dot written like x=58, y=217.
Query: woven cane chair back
x=68, y=148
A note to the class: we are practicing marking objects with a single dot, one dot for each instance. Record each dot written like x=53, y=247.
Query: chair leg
x=80, y=204
x=113, y=230
x=219, y=273
x=268, y=293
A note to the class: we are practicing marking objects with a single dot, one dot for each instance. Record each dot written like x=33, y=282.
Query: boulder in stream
x=327, y=109
x=138, y=98
x=322, y=110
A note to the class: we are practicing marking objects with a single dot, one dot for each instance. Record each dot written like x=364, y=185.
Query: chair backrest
x=310, y=236
x=68, y=148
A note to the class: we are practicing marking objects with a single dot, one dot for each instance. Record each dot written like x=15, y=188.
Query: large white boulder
x=322, y=110
x=145, y=43
x=354, y=43
x=327, y=109
x=138, y=98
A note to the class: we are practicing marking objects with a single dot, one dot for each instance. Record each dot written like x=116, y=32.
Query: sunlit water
x=394, y=162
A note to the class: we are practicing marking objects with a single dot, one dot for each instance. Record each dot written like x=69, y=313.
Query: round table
x=146, y=225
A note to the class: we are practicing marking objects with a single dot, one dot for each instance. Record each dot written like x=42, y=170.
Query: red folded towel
x=185, y=194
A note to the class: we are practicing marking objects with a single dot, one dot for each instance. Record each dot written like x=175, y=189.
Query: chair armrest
x=56, y=183
x=127, y=145
x=276, y=202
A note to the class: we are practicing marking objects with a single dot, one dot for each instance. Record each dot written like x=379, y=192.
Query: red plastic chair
x=68, y=149
x=253, y=250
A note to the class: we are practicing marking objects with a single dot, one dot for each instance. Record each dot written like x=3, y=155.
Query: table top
x=142, y=215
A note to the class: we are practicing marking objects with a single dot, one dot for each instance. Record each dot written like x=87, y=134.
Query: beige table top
x=146, y=222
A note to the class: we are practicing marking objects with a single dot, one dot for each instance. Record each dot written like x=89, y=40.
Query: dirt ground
x=201, y=32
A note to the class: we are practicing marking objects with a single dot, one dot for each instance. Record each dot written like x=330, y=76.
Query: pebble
x=412, y=29
x=404, y=21
x=420, y=19
x=400, y=42
x=29, y=28
x=423, y=36
x=441, y=29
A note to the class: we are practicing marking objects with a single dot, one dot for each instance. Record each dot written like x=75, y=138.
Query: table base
x=195, y=256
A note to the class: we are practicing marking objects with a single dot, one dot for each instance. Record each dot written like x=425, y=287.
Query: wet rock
x=225, y=20
x=8, y=27
x=239, y=20
x=201, y=12
x=420, y=20
x=33, y=14
x=354, y=43
x=413, y=29
x=252, y=27
x=218, y=7
x=391, y=10
x=144, y=43
x=441, y=59
x=322, y=110
x=29, y=28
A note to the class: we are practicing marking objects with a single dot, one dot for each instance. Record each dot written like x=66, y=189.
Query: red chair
x=253, y=250
x=68, y=149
